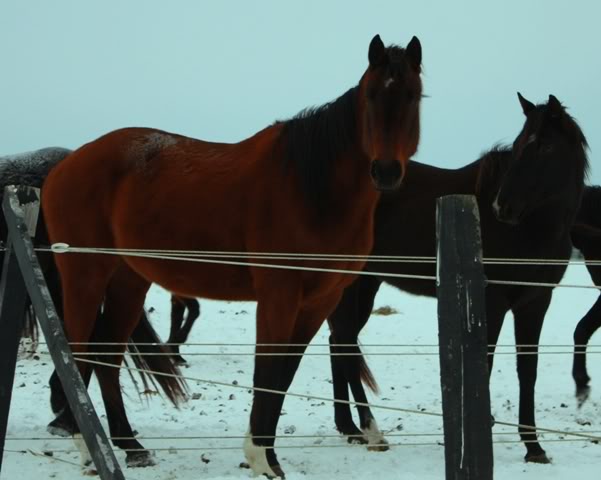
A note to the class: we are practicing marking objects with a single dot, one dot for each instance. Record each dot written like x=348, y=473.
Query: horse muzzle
x=387, y=174
x=506, y=212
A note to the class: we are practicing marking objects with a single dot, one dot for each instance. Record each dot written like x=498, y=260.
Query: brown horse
x=302, y=185
x=528, y=196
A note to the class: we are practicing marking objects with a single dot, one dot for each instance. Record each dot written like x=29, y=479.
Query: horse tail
x=365, y=373
x=153, y=361
x=30, y=324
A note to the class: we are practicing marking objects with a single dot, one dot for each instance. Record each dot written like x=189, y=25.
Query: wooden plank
x=462, y=340
x=13, y=296
x=93, y=434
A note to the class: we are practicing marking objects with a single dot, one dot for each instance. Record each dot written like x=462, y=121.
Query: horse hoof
x=538, y=458
x=357, y=440
x=140, y=459
x=59, y=429
x=179, y=360
x=381, y=446
x=277, y=470
x=582, y=394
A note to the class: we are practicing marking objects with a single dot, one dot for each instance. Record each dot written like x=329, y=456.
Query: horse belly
x=193, y=279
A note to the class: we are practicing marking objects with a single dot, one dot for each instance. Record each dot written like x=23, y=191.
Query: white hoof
x=257, y=458
x=85, y=457
x=375, y=439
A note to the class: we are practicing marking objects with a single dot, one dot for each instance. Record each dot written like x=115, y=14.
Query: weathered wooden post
x=463, y=340
x=31, y=276
x=13, y=297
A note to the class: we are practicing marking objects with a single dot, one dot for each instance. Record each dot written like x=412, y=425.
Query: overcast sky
x=71, y=70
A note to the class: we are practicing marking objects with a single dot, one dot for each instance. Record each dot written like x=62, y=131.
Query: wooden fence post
x=463, y=340
x=13, y=297
x=74, y=387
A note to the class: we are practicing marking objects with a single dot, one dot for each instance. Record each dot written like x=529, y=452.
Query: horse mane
x=590, y=206
x=312, y=140
x=492, y=165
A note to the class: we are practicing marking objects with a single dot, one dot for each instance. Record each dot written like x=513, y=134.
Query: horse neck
x=589, y=212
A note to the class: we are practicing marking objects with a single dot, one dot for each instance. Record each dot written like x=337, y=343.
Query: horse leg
x=279, y=321
x=123, y=307
x=350, y=316
x=81, y=302
x=193, y=313
x=496, y=308
x=177, y=319
x=528, y=325
x=64, y=425
x=582, y=334
x=181, y=335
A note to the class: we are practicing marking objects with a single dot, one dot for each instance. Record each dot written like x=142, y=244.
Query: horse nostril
x=386, y=174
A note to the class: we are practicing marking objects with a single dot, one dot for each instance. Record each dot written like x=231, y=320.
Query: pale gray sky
x=222, y=70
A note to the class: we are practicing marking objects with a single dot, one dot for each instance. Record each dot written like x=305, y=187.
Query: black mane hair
x=590, y=206
x=492, y=165
x=314, y=138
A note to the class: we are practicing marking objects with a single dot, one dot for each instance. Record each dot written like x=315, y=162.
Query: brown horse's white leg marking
x=375, y=439
x=85, y=457
x=256, y=457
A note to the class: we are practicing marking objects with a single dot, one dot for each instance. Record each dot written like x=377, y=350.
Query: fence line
x=78, y=355
x=266, y=437
x=335, y=400
x=64, y=248
x=314, y=445
x=323, y=345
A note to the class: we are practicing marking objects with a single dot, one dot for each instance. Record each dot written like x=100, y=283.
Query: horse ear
x=377, y=52
x=527, y=105
x=414, y=53
x=554, y=106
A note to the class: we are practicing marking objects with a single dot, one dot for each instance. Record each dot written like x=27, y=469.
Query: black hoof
x=140, y=459
x=59, y=428
x=179, y=360
x=582, y=394
x=537, y=458
x=279, y=473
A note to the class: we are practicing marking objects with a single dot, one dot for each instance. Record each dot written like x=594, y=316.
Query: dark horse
x=528, y=195
x=181, y=324
x=31, y=169
x=586, y=237
x=310, y=184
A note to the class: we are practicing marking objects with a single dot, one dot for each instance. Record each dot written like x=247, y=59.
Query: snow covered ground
x=217, y=413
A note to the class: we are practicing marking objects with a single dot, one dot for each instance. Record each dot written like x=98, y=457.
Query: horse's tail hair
x=144, y=345
x=366, y=375
x=30, y=324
